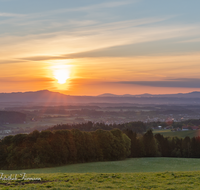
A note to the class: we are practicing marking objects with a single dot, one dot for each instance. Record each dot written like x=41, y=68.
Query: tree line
x=54, y=148
x=149, y=145
x=58, y=147
x=137, y=126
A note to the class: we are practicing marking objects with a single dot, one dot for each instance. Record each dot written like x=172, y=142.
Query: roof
x=187, y=127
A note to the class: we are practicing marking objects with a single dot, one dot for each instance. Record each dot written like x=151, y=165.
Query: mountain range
x=194, y=94
x=45, y=96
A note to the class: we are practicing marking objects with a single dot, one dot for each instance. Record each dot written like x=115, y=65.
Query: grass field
x=118, y=181
x=135, y=173
x=158, y=164
x=181, y=134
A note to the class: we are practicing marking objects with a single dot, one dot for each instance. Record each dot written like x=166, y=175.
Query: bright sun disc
x=61, y=75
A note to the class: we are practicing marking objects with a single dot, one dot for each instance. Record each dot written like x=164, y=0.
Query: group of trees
x=138, y=126
x=59, y=146
x=149, y=145
x=53, y=148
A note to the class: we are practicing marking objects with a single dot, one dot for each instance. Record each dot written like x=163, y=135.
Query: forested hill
x=12, y=117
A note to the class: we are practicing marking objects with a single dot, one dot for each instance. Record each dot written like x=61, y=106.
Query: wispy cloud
x=94, y=6
x=11, y=61
x=25, y=80
x=190, y=41
x=46, y=14
x=50, y=39
x=96, y=41
x=174, y=83
x=11, y=15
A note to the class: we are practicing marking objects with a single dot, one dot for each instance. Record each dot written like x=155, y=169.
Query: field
x=158, y=164
x=136, y=173
x=181, y=134
x=89, y=181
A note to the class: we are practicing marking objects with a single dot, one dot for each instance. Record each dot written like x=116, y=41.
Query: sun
x=61, y=74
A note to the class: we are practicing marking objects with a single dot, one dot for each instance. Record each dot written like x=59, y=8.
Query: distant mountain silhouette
x=195, y=94
x=107, y=95
x=45, y=96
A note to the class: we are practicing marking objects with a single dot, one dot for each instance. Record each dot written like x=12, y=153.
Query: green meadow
x=134, y=173
x=157, y=164
x=181, y=134
x=118, y=181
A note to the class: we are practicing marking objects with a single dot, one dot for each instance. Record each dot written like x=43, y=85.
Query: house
x=5, y=131
x=177, y=129
x=194, y=127
x=169, y=127
x=185, y=128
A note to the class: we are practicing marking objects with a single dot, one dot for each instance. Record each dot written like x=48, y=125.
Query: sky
x=91, y=47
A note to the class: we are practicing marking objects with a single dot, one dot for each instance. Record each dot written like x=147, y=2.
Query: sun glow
x=61, y=76
x=61, y=73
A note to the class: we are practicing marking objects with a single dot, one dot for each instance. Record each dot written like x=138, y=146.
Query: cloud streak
x=11, y=15
x=25, y=80
x=11, y=61
x=99, y=6
x=98, y=39
x=19, y=18
x=172, y=83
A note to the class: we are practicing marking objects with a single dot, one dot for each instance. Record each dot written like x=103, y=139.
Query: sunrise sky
x=91, y=47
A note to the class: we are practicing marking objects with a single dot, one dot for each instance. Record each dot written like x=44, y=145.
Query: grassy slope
x=182, y=134
x=136, y=173
x=158, y=164
x=166, y=180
